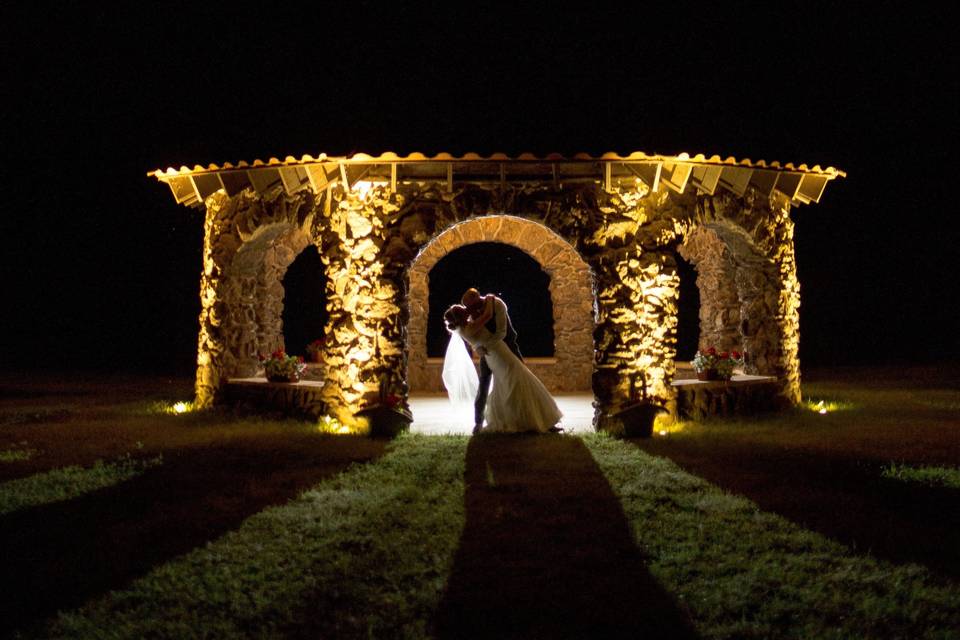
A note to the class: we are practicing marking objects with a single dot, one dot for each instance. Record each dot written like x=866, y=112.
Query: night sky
x=101, y=267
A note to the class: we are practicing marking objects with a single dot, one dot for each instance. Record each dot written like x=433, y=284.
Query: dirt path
x=546, y=551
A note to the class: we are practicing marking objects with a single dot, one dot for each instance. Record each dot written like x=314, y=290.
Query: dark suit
x=510, y=339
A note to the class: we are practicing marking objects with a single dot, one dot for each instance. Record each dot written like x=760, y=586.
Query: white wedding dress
x=518, y=401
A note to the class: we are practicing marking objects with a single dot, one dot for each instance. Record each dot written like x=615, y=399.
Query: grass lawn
x=134, y=522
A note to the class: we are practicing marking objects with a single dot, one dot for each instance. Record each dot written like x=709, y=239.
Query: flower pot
x=707, y=374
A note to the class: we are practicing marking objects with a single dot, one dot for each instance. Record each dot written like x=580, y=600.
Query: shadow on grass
x=59, y=555
x=547, y=552
x=842, y=497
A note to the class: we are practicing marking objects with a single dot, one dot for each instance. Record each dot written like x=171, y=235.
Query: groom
x=502, y=329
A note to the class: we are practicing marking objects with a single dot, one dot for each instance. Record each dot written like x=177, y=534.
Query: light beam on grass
x=745, y=573
x=930, y=475
x=69, y=482
x=362, y=554
x=17, y=453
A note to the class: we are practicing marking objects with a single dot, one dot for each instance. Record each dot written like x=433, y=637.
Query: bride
x=518, y=400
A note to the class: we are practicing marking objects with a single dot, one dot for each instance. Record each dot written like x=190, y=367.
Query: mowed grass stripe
x=364, y=554
x=70, y=482
x=744, y=573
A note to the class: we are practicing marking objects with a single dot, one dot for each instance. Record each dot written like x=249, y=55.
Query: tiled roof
x=389, y=156
x=800, y=184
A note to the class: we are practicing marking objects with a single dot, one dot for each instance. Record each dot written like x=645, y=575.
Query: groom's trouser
x=480, y=404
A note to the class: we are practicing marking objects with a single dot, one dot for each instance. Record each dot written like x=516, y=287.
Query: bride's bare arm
x=484, y=317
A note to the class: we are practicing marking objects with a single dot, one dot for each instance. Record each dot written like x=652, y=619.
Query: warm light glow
x=329, y=424
x=665, y=424
x=823, y=407
x=363, y=187
x=177, y=408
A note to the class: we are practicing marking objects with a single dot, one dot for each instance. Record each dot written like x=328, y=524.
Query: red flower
x=724, y=355
x=735, y=354
x=712, y=351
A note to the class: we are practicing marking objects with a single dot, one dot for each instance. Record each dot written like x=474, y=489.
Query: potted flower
x=388, y=415
x=280, y=367
x=711, y=365
x=727, y=362
x=315, y=349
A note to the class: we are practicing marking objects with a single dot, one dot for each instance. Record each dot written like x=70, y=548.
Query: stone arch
x=571, y=291
x=255, y=294
x=739, y=294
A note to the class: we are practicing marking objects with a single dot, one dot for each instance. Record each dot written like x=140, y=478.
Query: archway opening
x=563, y=318
x=304, y=301
x=688, y=310
x=508, y=272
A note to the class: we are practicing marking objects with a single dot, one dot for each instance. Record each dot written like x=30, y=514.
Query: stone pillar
x=716, y=281
x=220, y=243
x=635, y=332
x=419, y=279
x=364, y=301
x=782, y=254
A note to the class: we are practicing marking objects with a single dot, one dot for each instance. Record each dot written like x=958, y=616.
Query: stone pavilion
x=606, y=229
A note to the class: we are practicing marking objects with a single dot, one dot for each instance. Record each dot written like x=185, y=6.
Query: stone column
x=635, y=332
x=364, y=298
x=220, y=244
x=716, y=281
x=781, y=252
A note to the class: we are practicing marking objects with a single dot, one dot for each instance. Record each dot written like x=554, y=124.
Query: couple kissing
x=506, y=394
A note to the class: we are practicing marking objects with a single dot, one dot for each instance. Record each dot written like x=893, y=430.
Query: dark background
x=101, y=268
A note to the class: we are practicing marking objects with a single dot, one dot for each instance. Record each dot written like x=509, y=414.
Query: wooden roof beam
x=264, y=179
x=647, y=172
x=294, y=179
x=234, y=182
x=676, y=175
x=735, y=179
x=788, y=183
x=811, y=188
x=705, y=178
x=184, y=191
x=764, y=181
x=320, y=176
x=206, y=184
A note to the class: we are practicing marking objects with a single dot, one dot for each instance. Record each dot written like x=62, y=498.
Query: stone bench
x=740, y=396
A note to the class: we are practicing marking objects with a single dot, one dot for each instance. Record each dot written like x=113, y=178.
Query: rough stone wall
x=246, y=241
x=220, y=244
x=758, y=233
x=369, y=237
x=571, y=292
x=365, y=300
x=256, y=277
x=739, y=294
x=716, y=275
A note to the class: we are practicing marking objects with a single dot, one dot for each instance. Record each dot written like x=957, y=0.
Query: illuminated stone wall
x=369, y=238
x=571, y=293
x=249, y=242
